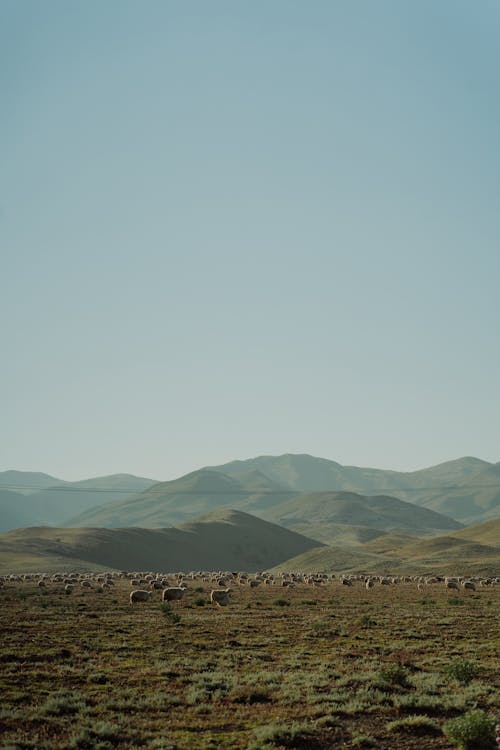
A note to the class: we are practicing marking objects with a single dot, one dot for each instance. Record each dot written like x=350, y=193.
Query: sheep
x=470, y=585
x=370, y=583
x=173, y=594
x=452, y=585
x=139, y=595
x=220, y=597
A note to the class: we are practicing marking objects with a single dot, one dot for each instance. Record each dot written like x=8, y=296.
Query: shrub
x=366, y=621
x=414, y=725
x=63, y=703
x=274, y=735
x=166, y=608
x=474, y=730
x=462, y=671
x=281, y=603
x=394, y=675
x=98, y=736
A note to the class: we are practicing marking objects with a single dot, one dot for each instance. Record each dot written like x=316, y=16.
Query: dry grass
x=89, y=671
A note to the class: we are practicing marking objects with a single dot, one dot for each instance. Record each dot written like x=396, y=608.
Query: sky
x=230, y=229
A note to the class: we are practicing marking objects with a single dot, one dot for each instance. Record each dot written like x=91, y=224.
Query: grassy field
x=312, y=667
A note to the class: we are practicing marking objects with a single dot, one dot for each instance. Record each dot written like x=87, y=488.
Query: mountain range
x=466, y=490
x=345, y=517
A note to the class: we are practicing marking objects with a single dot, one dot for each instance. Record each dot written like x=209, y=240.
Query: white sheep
x=139, y=595
x=220, y=597
x=173, y=594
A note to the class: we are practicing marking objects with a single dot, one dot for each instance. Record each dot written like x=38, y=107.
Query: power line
x=284, y=491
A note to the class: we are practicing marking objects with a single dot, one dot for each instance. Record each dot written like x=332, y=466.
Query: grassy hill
x=473, y=500
x=225, y=539
x=26, y=482
x=485, y=533
x=230, y=539
x=315, y=513
x=466, y=489
x=170, y=503
x=53, y=504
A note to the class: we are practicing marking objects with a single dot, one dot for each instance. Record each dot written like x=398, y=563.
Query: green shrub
x=200, y=601
x=366, y=621
x=456, y=601
x=474, y=730
x=395, y=675
x=281, y=603
x=414, y=725
x=98, y=736
x=63, y=703
x=462, y=671
x=166, y=608
x=275, y=735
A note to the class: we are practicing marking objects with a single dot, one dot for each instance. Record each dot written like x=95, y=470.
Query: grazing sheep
x=470, y=585
x=452, y=585
x=68, y=588
x=220, y=597
x=370, y=583
x=173, y=594
x=139, y=595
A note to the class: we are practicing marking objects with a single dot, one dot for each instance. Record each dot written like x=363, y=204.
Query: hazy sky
x=236, y=228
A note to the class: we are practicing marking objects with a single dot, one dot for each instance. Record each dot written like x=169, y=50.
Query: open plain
x=305, y=666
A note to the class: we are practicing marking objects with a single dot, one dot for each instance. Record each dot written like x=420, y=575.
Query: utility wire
x=284, y=491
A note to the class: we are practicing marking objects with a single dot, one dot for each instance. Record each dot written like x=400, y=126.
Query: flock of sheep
x=174, y=585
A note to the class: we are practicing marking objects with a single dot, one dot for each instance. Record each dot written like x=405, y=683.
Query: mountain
x=26, y=482
x=475, y=499
x=170, y=503
x=225, y=539
x=466, y=489
x=14, y=511
x=312, y=514
x=53, y=504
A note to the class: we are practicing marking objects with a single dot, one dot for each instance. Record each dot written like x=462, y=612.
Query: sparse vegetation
x=350, y=670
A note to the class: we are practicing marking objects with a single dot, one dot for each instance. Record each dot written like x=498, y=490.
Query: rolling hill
x=225, y=539
x=466, y=489
x=54, y=504
x=471, y=551
x=314, y=513
x=170, y=503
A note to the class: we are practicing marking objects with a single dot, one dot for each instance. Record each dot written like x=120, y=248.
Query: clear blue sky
x=236, y=228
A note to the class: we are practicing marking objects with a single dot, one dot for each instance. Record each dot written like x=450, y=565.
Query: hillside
x=56, y=503
x=395, y=553
x=26, y=482
x=485, y=533
x=466, y=489
x=225, y=539
x=473, y=500
x=170, y=503
x=314, y=513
